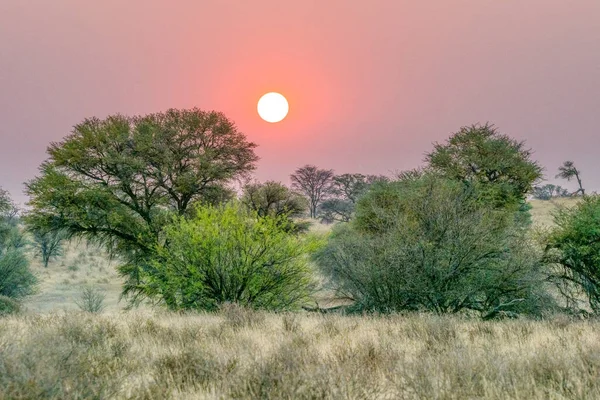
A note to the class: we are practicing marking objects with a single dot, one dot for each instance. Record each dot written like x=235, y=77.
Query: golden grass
x=249, y=355
x=542, y=211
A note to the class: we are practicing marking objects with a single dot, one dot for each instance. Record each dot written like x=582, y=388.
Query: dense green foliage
x=428, y=243
x=228, y=255
x=16, y=280
x=500, y=167
x=118, y=180
x=575, y=246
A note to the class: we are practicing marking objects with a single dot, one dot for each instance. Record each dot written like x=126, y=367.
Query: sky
x=371, y=84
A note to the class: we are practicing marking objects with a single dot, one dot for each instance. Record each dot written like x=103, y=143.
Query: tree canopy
x=480, y=155
x=314, y=183
x=117, y=180
x=429, y=244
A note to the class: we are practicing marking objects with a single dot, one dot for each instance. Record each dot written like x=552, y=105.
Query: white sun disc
x=273, y=107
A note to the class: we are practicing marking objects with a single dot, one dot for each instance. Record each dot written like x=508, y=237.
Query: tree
x=273, y=199
x=117, y=181
x=568, y=171
x=548, y=191
x=430, y=244
x=346, y=190
x=574, y=245
x=479, y=155
x=314, y=183
x=48, y=244
x=226, y=254
x=16, y=280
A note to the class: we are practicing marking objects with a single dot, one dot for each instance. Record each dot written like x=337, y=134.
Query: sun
x=273, y=107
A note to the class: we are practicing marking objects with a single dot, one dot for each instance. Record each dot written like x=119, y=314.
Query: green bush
x=16, y=280
x=91, y=300
x=428, y=243
x=227, y=255
x=574, y=245
x=9, y=306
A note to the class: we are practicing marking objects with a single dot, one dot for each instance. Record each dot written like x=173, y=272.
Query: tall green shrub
x=429, y=244
x=574, y=246
x=228, y=255
x=16, y=280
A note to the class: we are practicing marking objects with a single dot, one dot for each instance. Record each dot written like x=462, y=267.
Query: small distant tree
x=227, y=255
x=549, y=191
x=91, y=300
x=314, y=183
x=574, y=245
x=479, y=155
x=273, y=199
x=49, y=244
x=568, y=171
x=346, y=189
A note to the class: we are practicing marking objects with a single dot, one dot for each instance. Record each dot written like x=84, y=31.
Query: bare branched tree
x=568, y=171
x=314, y=183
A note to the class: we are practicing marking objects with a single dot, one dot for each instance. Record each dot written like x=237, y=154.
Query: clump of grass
x=239, y=317
x=91, y=300
x=73, y=268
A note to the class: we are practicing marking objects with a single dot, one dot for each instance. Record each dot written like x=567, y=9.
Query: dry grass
x=240, y=354
x=542, y=211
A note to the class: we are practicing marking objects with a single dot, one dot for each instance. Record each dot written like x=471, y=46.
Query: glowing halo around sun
x=273, y=107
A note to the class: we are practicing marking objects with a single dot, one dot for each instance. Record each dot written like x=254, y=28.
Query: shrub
x=91, y=300
x=429, y=244
x=227, y=255
x=574, y=245
x=16, y=280
x=9, y=306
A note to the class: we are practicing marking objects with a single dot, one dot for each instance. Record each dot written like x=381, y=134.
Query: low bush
x=9, y=306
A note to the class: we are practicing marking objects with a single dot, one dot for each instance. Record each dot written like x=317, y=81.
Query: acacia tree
x=568, y=171
x=574, y=246
x=429, y=244
x=345, y=191
x=479, y=155
x=49, y=244
x=314, y=183
x=274, y=199
x=117, y=180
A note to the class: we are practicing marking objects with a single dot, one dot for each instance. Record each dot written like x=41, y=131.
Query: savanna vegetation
x=442, y=284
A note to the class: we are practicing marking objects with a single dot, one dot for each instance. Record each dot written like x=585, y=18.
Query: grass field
x=250, y=355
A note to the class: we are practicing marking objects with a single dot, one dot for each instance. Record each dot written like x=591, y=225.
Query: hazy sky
x=370, y=83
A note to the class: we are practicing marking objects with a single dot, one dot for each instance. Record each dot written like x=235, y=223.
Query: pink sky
x=370, y=83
